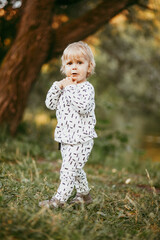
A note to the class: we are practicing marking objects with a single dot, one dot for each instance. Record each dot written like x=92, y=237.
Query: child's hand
x=67, y=81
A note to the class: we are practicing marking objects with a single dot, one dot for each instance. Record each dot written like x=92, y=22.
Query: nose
x=74, y=66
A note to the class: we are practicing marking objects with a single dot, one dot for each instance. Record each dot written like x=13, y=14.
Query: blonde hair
x=75, y=51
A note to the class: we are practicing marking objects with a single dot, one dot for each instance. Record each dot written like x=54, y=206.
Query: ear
x=89, y=69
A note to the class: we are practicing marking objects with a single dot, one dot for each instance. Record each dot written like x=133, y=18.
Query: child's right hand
x=66, y=81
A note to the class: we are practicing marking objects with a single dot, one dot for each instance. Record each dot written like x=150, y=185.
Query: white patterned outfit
x=75, y=131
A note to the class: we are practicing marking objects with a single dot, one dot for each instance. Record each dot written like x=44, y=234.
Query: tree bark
x=24, y=60
x=37, y=43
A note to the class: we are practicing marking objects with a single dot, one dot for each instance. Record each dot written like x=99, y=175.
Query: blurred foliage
x=129, y=60
x=8, y=29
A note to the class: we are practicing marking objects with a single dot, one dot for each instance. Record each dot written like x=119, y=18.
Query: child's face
x=77, y=68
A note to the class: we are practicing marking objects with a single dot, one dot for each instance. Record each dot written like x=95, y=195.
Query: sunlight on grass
x=41, y=119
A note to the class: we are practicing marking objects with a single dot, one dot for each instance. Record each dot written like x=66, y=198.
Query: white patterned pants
x=72, y=173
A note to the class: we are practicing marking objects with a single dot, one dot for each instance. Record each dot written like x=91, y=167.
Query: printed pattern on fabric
x=72, y=174
x=75, y=106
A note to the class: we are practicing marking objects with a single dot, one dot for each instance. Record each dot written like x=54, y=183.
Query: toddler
x=73, y=99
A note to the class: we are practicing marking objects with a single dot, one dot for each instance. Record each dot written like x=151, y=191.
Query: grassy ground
x=125, y=192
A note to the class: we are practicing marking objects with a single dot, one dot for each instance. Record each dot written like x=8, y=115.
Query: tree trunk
x=24, y=60
x=32, y=47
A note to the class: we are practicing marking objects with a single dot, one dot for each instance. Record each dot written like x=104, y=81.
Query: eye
x=69, y=63
x=79, y=62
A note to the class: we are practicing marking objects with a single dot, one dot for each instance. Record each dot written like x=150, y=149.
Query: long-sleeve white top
x=75, y=112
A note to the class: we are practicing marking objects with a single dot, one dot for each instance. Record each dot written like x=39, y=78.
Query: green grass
x=126, y=204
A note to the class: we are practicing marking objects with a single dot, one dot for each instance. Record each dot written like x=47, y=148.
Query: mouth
x=74, y=74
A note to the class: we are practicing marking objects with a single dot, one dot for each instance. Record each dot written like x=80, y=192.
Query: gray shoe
x=53, y=203
x=82, y=199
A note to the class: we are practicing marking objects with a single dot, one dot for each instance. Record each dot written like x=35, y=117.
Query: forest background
x=124, y=163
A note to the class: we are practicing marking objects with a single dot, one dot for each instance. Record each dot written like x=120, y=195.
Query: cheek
x=85, y=70
x=67, y=69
